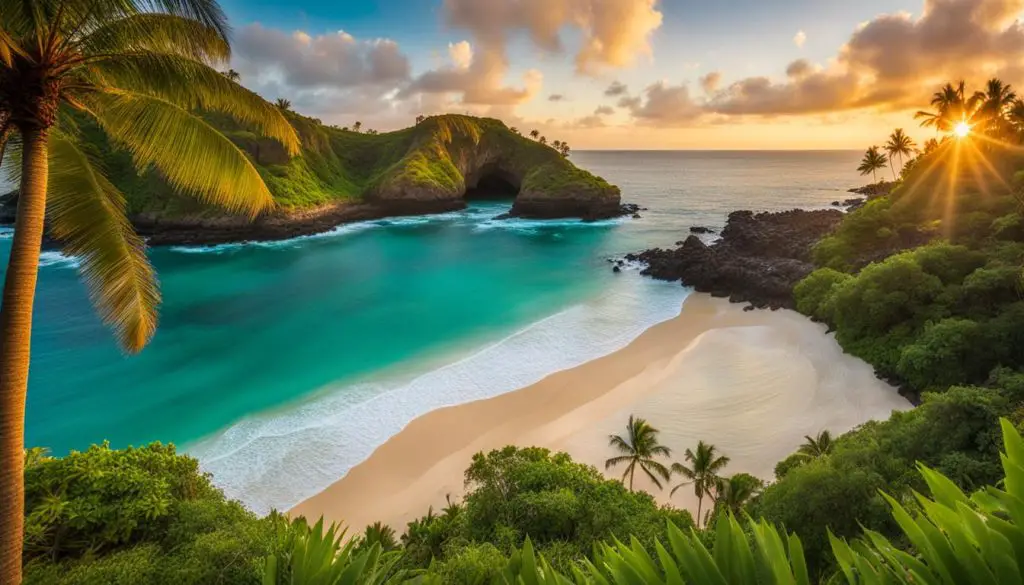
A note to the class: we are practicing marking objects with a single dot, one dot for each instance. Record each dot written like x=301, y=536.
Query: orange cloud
x=888, y=60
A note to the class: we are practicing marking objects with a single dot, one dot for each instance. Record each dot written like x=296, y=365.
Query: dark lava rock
x=759, y=258
x=8, y=208
x=699, y=229
x=616, y=269
x=874, y=190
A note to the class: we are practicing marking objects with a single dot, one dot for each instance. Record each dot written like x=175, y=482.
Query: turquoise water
x=281, y=365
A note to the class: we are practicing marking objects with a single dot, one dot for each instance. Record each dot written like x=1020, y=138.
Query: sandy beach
x=753, y=383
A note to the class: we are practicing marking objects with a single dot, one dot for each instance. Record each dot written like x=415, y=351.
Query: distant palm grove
x=924, y=282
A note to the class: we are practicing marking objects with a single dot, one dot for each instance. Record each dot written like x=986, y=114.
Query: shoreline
x=701, y=365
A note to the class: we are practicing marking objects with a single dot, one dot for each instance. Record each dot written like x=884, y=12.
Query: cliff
x=343, y=176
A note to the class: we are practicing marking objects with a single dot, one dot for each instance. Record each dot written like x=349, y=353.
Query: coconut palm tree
x=232, y=75
x=557, y=145
x=1015, y=119
x=952, y=106
x=543, y=140
x=139, y=70
x=564, y=149
x=534, y=134
x=901, y=145
x=283, y=104
x=639, y=448
x=872, y=161
x=815, y=447
x=993, y=106
x=702, y=473
x=732, y=493
x=358, y=126
x=514, y=130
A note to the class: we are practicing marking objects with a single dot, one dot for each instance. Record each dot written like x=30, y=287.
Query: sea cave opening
x=491, y=183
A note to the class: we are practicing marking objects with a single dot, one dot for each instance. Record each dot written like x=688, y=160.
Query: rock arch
x=492, y=181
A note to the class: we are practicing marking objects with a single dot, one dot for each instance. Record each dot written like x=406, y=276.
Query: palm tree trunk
x=700, y=500
x=632, y=469
x=15, y=342
x=892, y=169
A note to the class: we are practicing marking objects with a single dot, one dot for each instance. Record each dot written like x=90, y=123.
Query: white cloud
x=461, y=54
x=800, y=38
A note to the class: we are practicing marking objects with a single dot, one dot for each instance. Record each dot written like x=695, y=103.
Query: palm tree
x=639, y=448
x=534, y=134
x=702, y=473
x=994, y=104
x=1015, y=118
x=514, y=130
x=952, y=106
x=232, y=75
x=543, y=140
x=557, y=145
x=357, y=126
x=564, y=149
x=732, y=493
x=283, y=104
x=140, y=70
x=872, y=161
x=900, y=145
x=815, y=447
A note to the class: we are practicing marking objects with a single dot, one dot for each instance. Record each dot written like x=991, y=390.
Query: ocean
x=281, y=365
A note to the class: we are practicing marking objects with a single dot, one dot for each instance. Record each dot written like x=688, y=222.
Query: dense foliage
x=562, y=506
x=144, y=515
x=925, y=285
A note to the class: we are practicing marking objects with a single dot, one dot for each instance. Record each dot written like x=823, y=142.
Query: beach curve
x=751, y=382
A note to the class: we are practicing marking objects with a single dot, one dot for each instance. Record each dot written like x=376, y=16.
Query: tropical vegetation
x=139, y=73
x=638, y=449
x=924, y=283
x=872, y=161
x=701, y=471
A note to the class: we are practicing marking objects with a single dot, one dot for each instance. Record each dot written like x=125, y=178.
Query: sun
x=962, y=130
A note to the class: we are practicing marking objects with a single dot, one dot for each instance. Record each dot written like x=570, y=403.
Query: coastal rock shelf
x=758, y=259
x=342, y=176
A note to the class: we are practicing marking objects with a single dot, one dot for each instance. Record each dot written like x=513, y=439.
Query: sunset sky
x=629, y=74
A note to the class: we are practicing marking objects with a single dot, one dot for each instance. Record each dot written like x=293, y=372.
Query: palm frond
x=617, y=460
x=87, y=215
x=650, y=475
x=620, y=444
x=193, y=156
x=191, y=85
x=160, y=33
x=208, y=12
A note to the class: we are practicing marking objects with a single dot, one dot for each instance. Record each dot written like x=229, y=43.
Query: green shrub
x=101, y=498
x=951, y=263
x=950, y=351
x=814, y=293
x=886, y=295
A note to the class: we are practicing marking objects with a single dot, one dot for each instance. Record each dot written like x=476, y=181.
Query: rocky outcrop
x=466, y=157
x=759, y=258
x=873, y=190
x=434, y=167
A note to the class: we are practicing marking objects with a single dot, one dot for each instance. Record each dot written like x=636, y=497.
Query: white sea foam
x=482, y=217
x=6, y=233
x=58, y=260
x=276, y=460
